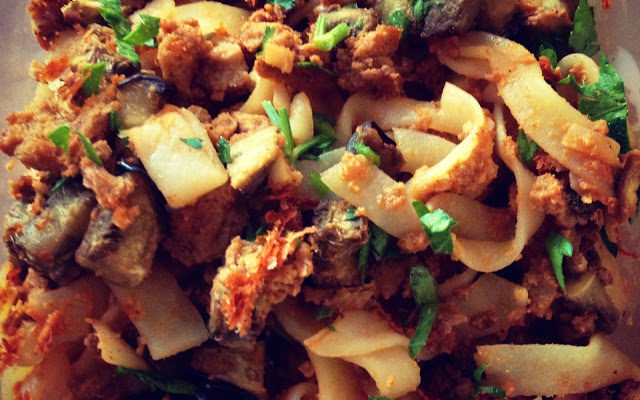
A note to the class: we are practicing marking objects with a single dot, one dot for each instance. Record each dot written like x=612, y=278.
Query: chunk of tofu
x=251, y=154
x=181, y=172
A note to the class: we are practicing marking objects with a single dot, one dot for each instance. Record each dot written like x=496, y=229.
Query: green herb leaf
x=366, y=151
x=127, y=50
x=194, y=142
x=88, y=148
x=251, y=232
x=612, y=247
x=59, y=184
x=437, y=225
x=322, y=125
x=323, y=312
x=111, y=12
x=606, y=100
x=145, y=31
x=286, y=4
x=285, y=128
x=363, y=260
x=60, y=137
x=358, y=24
x=327, y=41
x=316, y=146
x=312, y=65
x=491, y=390
x=425, y=294
x=115, y=124
x=318, y=185
x=352, y=5
x=268, y=34
x=583, y=37
x=477, y=374
x=399, y=19
x=421, y=7
x=321, y=26
x=272, y=113
x=379, y=241
x=546, y=49
x=157, y=381
x=224, y=151
x=331, y=327
x=378, y=398
x=351, y=214
x=527, y=148
x=557, y=247
x=91, y=84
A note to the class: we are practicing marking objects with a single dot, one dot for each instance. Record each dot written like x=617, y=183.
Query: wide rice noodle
x=555, y=369
x=562, y=131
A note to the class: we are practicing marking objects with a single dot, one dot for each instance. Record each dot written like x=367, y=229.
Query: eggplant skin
x=122, y=257
x=46, y=242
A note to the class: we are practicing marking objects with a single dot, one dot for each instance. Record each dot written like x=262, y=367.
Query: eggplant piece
x=122, y=257
x=46, y=242
x=452, y=17
x=370, y=134
x=586, y=293
x=141, y=96
x=359, y=19
x=82, y=12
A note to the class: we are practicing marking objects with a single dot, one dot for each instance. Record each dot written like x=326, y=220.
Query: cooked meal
x=319, y=199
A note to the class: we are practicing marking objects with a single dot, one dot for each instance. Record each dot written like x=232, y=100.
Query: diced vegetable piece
x=114, y=350
x=211, y=15
x=182, y=173
x=251, y=154
x=419, y=148
x=141, y=96
x=279, y=56
x=163, y=314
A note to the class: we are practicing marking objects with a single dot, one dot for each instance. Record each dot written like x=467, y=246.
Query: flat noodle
x=562, y=131
x=265, y=90
x=419, y=148
x=555, y=369
x=488, y=256
x=116, y=351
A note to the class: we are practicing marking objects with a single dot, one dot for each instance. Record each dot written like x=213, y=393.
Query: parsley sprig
x=437, y=225
x=425, y=294
x=224, y=150
x=286, y=4
x=61, y=136
x=156, y=381
x=420, y=8
x=527, y=148
x=583, y=37
x=194, y=142
x=94, y=74
x=268, y=34
x=557, y=247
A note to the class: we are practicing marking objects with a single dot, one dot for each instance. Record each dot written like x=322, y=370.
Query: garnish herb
x=286, y=4
x=366, y=151
x=352, y=5
x=59, y=184
x=557, y=247
x=379, y=241
x=363, y=259
x=280, y=119
x=399, y=19
x=351, y=214
x=111, y=12
x=194, y=142
x=127, y=50
x=583, y=37
x=605, y=100
x=437, y=225
x=326, y=41
x=158, y=382
x=224, y=151
x=612, y=247
x=91, y=84
x=60, y=137
x=312, y=65
x=318, y=185
x=425, y=294
x=268, y=34
x=490, y=390
x=358, y=24
x=88, y=148
x=251, y=232
x=313, y=147
x=115, y=124
x=546, y=49
x=323, y=125
x=527, y=148
x=378, y=398
x=323, y=312
x=421, y=7
x=145, y=32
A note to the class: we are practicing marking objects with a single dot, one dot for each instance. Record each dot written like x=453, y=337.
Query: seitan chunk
x=548, y=15
x=337, y=243
x=201, y=232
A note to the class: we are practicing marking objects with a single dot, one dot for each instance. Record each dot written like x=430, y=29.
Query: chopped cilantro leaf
x=358, y=24
x=88, y=148
x=321, y=26
x=111, y=12
x=323, y=125
x=425, y=294
x=272, y=113
x=605, y=100
x=583, y=37
x=127, y=50
x=421, y=7
x=312, y=65
x=91, y=84
x=268, y=34
x=323, y=312
x=351, y=214
x=331, y=327
x=326, y=41
x=437, y=225
x=115, y=124
x=399, y=19
x=224, y=151
x=490, y=390
x=557, y=247
x=286, y=4
x=378, y=398
x=157, y=381
x=146, y=31
x=318, y=185
x=251, y=232
x=527, y=148
x=379, y=241
x=59, y=184
x=352, y=5
x=194, y=142
x=546, y=49
x=60, y=137
x=363, y=259
x=317, y=145
x=366, y=151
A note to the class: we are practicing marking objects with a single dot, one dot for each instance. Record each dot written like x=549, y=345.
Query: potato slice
x=251, y=154
x=211, y=15
x=181, y=172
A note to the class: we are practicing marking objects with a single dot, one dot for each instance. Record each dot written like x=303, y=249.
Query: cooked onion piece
x=419, y=148
x=116, y=351
x=577, y=61
x=490, y=256
x=181, y=172
x=562, y=131
x=301, y=118
x=555, y=369
x=163, y=314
